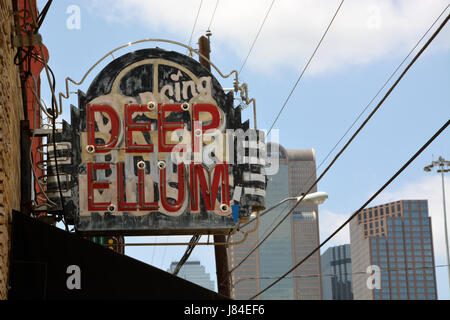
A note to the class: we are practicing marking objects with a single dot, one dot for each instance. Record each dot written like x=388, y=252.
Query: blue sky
x=365, y=44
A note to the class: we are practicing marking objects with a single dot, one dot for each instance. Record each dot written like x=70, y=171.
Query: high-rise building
x=337, y=273
x=296, y=237
x=395, y=241
x=194, y=272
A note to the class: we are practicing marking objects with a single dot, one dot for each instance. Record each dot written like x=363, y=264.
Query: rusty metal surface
x=122, y=158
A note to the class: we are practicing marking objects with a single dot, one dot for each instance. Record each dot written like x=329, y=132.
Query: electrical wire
x=354, y=134
x=370, y=102
x=53, y=117
x=28, y=54
x=306, y=67
x=18, y=60
x=360, y=209
x=42, y=15
x=195, y=23
x=257, y=35
x=36, y=101
x=213, y=14
x=34, y=31
x=320, y=275
x=379, y=91
x=53, y=81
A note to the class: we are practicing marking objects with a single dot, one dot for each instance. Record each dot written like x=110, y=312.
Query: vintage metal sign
x=159, y=148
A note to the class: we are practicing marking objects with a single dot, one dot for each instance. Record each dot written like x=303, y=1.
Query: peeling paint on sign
x=159, y=148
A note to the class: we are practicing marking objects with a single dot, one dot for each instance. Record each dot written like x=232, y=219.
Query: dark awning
x=41, y=257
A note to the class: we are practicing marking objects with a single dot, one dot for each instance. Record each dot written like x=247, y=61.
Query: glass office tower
x=397, y=238
x=194, y=272
x=296, y=237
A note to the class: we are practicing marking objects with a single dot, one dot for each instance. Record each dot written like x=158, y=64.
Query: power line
x=306, y=67
x=286, y=101
x=373, y=99
x=379, y=91
x=42, y=15
x=367, y=106
x=257, y=35
x=212, y=16
x=195, y=23
x=361, y=208
x=353, y=136
x=53, y=126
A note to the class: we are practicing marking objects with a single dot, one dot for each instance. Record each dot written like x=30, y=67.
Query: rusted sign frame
x=145, y=232
x=208, y=243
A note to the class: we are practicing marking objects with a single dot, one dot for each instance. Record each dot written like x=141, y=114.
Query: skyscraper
x=336, y=273
x=194, y=272
x=296, y=237
x=395, y=239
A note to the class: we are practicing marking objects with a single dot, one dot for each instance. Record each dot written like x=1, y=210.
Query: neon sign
x=159, y=148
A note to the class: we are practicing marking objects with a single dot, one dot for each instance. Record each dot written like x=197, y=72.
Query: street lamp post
x=441, y=165
x=315, y=197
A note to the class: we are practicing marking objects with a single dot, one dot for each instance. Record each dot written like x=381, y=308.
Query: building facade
x=337, y=273
x=11, y=114
x=396, y=240
x=194, y=272
x=296, y=237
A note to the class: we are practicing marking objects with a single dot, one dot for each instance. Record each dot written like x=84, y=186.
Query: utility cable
x=379, y=91
x=195, y=23
x=53, y=121
x=306, y=67
x=367, y=106
x=52, y=87
x=355, y=134
x=42, y=15
x=257, y=35
x=360, y=209
x=212, y=16
x=320, y=275
x=33, y=169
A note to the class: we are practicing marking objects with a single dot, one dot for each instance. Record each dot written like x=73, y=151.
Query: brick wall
x=11, y=112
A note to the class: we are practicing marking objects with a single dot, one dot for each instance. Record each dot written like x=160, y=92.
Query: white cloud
x=363, y=32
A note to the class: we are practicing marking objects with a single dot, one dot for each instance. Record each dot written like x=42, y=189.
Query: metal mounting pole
x=445, y=225
x=440, y=164
x=221, y=253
